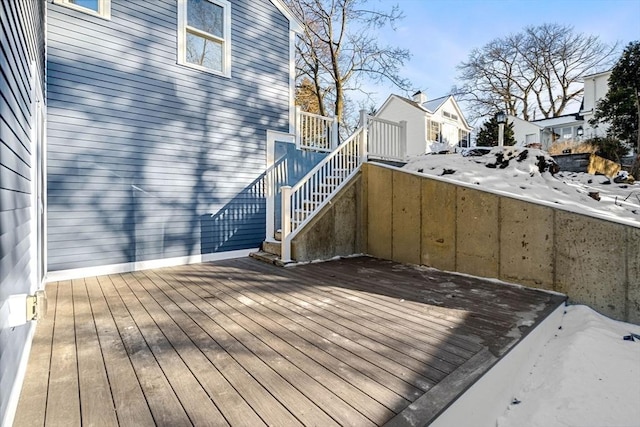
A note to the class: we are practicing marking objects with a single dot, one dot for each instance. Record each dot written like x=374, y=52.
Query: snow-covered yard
x=526, y=173
x=587, y=374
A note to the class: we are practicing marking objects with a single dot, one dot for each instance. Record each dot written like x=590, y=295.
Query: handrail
x=306, y=198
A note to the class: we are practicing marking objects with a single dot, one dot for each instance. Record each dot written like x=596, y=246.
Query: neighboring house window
x=434, y=131
x=204, y=35
x=450, y=115
x=531, y=138
x=463, y=138
x=101, y=8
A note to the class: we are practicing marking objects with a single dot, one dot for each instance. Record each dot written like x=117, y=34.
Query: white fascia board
x=295, y=24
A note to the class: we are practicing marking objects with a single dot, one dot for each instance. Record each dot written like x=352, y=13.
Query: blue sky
x=441, y=33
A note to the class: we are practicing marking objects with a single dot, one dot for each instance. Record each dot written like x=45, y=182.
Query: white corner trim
x=16, y=388
x=78, y=273
x=295, y=24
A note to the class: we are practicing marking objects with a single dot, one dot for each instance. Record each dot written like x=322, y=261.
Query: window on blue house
x=101, y=8
x=204, y=35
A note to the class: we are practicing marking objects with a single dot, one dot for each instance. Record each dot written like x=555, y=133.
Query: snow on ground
x=527, y=174
x=587, y=375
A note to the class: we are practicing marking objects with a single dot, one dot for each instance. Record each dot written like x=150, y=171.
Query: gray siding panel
x=148, y=159
x=21, y=43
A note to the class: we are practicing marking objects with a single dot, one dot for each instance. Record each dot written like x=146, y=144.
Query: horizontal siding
x=148, y=159
x=21, y=43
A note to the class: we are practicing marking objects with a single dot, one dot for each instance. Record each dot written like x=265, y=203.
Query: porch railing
x=301, y=202
x=315, y=132
x=386, y=139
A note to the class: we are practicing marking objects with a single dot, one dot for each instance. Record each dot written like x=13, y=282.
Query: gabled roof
x=296, y=24
x=430, y=106
x=434, y=104
x=594, y=75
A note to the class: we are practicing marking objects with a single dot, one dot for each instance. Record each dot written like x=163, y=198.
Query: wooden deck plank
x=341, y=363
x=341, y=347
x=32, y=404
x=378, y=354
x=130, y=403
x=292, y=346
x=348, y=342
x=195, y=401
x=163, y=402
x=379, y=304
x=96, y=403
x=310, y=331
x=375, y=327
x=235, y=340
x=215, y=343
x=369, y=344
x=222, y=394
x=63, y=400
x=277, y=354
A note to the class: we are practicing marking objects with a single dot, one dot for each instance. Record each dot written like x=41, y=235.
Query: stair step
x=268, y=258
x=272, y=248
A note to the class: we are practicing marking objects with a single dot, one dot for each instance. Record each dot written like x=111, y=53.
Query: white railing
x=386, y=139
x=315, y=132
x=301, y=202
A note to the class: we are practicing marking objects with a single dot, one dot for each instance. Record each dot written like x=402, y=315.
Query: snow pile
x=533, y=175
x=587, y=375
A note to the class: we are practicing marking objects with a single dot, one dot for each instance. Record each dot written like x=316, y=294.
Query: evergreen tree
x=620, y=108
x=488, y=134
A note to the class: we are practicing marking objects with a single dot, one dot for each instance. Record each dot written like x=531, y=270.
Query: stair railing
x=304, y=200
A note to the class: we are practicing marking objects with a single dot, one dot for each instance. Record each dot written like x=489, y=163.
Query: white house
x=596, y=87
x=574, y=126
x=569, y=127
x=432, y=126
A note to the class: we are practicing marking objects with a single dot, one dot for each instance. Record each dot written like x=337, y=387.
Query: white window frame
x=226, y=40
x=104, y=8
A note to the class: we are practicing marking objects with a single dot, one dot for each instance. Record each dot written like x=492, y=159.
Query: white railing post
x=270, y=205
x=403, y=139
x=286, y=223
x=298, y=126
x=363, y=140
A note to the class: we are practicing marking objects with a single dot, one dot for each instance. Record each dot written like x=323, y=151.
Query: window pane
x=89, y=4
x=205, y=16
x=204, y=52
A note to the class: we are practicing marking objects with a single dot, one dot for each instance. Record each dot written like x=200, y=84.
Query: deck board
x=129, y=401
x=63, y=396
x=238, y=342
x=96, y=402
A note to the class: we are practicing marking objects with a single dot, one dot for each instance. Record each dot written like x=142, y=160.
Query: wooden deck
x=244, y=343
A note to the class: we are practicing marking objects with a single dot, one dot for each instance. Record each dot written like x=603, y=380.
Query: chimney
x=420, y=97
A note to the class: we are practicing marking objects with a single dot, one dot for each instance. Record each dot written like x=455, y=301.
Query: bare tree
x=538, y=70
x=339, y=49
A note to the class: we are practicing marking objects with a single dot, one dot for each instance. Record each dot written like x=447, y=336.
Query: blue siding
x=148, y=159
x=22, y=41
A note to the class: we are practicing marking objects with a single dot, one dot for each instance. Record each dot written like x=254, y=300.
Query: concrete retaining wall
x=421, y=220
x=335, y=230
x=408, y=218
